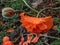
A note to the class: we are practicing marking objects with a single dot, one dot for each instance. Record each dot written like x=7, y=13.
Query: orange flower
x=10, y=30
x=6, y=41
x=36, y=25
x=36, y=39
x=6, y=38
x=25, y=43
x=22, y=39
x=29, y=39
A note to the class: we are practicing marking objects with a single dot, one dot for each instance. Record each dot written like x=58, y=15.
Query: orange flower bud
x=10, y=30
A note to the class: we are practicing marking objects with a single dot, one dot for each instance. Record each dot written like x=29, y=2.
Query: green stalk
x=56, y=8
x=44, y=36
x=29, y=6
x=42, y=11
x=34, y=9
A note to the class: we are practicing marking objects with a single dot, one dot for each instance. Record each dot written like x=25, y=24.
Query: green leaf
x=56, y=42
x=17, y=4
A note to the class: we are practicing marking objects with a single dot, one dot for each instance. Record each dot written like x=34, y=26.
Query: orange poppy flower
x=6, y=41
x=10, y=30
x=25, y=43
x=36, y=38
x=6, y=38
x=22, y=39
x=29, y=38
x=36, y=25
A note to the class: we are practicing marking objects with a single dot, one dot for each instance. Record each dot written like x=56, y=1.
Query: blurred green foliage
x=56, y=42
x=15, y=4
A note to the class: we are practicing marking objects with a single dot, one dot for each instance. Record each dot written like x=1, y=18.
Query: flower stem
x=34, y=9
x=41, y=11
x=51, y=37
x=45, y=36
x=56, y=8
x=29, y=6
